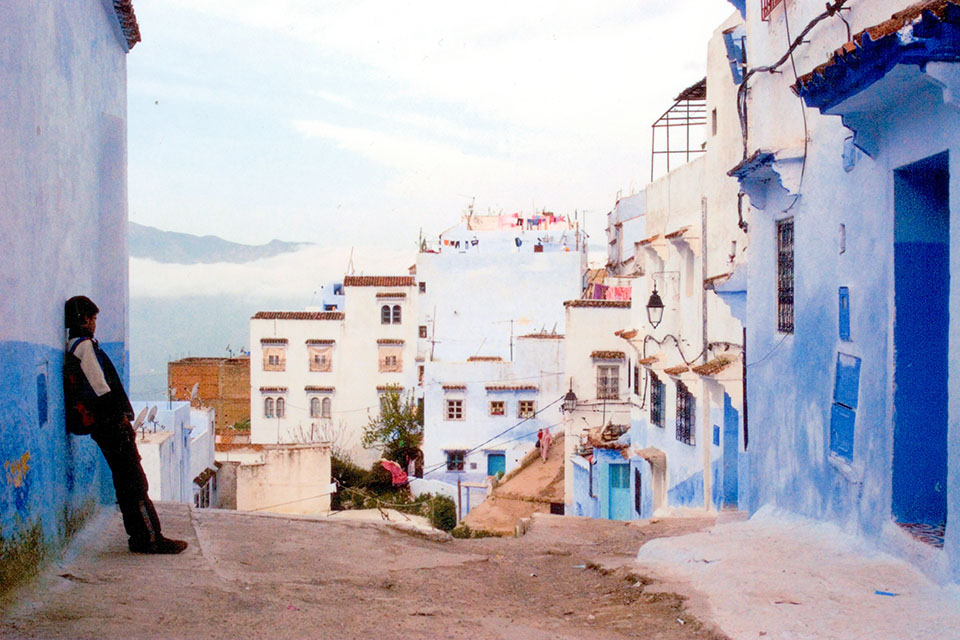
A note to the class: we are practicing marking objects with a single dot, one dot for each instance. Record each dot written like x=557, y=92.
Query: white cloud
x=299, y=273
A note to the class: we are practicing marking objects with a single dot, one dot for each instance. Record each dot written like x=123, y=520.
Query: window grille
x=497, y=408
x=454, y=410
x=314, y=407
x=281, y=407
x=636, y=379
x=656, y=401
x=785, y=276
x=608, y=382
x=638, y=492
x=455, y=460
x=423, y=331
x=396, y=314
x=767, y=7
x=268, y=408
x=685, y=409
x=525, y=409
x=325, y=408
x=385, y=314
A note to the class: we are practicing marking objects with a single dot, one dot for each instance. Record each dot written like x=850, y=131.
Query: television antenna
x=171, y=392
x=152, y=417
x=193, y=392
x=138, y=423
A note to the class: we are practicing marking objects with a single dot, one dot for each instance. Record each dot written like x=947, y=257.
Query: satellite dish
x=152, y=414
x=193, y=392
x=140, y=416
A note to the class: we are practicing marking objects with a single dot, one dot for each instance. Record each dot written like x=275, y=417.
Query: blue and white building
x=850, y=175
x=63, y=194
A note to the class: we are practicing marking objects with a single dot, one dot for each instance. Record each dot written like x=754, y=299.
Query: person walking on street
x=97, y=404
x=545, y=440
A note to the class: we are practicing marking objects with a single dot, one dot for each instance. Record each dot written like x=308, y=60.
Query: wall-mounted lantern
x=569, y=400
x=655, y=308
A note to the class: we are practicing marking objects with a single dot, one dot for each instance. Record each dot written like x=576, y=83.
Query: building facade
x=223, y=384
x=852, y=306
x=63, y=122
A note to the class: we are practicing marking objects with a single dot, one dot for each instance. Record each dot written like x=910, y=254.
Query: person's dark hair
x=76, y=310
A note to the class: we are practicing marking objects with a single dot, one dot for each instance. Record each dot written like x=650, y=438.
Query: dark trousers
x=117, y=441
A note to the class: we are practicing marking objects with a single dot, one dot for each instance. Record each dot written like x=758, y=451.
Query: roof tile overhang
x=608, y=355
x=320, y=341
x=512, y=387
x=378, y=281
x=648, y=361
x=128, y=21
x=316, y=389
x=713, y=367
x=383, y=341
x=298, y=315
x=387, y=294
x=677, y=234
x=676, y=371
x=626, y=334
x=454, y=387
x=484, y=359
x=273, y=389
x=649, y=240
x=916, y=49
x=602, y=304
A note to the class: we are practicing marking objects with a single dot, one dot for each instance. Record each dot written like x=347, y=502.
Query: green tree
x=398, y=430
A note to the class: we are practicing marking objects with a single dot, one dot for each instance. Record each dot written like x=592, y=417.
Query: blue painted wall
x=63, y=198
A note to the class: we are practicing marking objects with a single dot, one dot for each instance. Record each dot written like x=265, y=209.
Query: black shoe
x=164, y=546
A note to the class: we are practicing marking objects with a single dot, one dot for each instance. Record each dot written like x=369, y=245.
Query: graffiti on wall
x=17, y=469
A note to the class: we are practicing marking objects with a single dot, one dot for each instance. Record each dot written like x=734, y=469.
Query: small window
x=685, y=414
x=423, y=287
x=281, y=407
x=608, y=382
x=455, y=460
x=325, y=408
x=498, y=407
x=423, y=331
x=274, y=358
x=385, y=314
x=454, y=410
x=785, y=279
x=656, y=401
x=636, y=379
x=526, y=409
x=268, y=407
x=314, y=407
x=396, y=314
x=420, y=374
x=713, y=125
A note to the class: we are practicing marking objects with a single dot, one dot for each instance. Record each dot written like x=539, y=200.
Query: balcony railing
x=767, y=7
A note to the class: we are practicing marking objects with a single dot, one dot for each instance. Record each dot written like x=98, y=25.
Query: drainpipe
x=704, y=392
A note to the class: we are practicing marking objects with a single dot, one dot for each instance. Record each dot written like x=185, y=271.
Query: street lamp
x=570, y=399
x=655, y=308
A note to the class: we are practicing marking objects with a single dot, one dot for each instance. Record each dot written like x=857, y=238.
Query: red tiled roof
x=387, y=294
x=389, y=341
x=128, y=21
x=647, y=361
x=273, y=389
x=649, y=240
x=319, y=389
x=675, y=371
x=626, y=334
x=608, y=355
x=713, y=367
x=273, y=341
x=512, y=387
x=389, y=387
x=696, y=91
x=484, y=359
x=454, y=387
x=896, y=22
x=673, y=235
x=298, y=315
x=608, y=304
x=321, y=341
x=544, y=336
x=379, y=281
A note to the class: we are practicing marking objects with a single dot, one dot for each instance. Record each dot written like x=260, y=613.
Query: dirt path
x=249, y=577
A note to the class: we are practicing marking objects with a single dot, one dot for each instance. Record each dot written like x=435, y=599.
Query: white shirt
x=90, y=365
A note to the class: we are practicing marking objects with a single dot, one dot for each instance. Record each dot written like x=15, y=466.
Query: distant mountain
x=184, y=248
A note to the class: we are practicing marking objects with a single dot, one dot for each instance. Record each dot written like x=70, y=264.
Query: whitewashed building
x=317, y=376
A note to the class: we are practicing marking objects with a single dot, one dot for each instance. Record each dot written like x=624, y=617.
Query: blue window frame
x=843, y=413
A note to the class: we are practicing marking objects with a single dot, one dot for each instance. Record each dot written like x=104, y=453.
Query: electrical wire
x=803, y=114
x=769, y=353
x=831, y=10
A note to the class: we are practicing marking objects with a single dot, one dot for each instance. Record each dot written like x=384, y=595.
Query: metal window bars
x=767, y=7
x=785, y=276
x=685, y=413
x=656, y=401
x=608, y=383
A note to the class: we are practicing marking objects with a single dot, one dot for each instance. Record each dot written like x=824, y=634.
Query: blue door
x=496, y=463
x=619, y=491
x=731, y=446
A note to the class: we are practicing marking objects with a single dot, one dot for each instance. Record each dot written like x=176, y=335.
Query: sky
x=359, y=123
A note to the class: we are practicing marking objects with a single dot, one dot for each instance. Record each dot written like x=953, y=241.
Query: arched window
x=385, y=314
x=281, y=404
x=314, y=407
x=268, y=408
x=326, y=408
x=396, y=314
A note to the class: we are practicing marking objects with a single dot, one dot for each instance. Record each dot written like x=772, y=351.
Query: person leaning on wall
x=97, y=405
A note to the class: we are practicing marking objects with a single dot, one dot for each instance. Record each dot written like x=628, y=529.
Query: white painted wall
x=294, y=478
